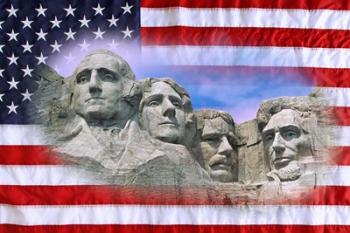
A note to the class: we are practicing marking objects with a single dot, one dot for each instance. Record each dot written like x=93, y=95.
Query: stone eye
x=82, y=78
x=290, y=134
x=177, y=104
x=153, y=103
x=269, y=137
x=106, y=76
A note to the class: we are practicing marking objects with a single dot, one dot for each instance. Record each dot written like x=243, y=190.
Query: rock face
x=252, y=168
x=145, y=133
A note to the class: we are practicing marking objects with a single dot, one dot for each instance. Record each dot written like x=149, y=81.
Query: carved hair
x=185, y=97
x=124, y=68
x=306, y=107
x=209, y=114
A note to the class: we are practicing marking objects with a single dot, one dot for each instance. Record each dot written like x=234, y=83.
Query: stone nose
x=225, y=147
x=94, y=83
x=168, y=108
x=278, y=144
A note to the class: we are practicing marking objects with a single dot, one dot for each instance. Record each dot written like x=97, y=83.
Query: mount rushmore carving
x=147, y=133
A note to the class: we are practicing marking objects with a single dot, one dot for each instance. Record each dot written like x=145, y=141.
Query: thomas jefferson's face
x=99, y=88
x=163, y=113
x=217, y=150
x=286, y=144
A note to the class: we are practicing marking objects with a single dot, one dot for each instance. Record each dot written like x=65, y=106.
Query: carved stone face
x=99, y=89
x=163, y=114
x=286, y=144
x=217, y=150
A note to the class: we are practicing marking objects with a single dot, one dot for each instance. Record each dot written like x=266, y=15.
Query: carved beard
x=289, y=173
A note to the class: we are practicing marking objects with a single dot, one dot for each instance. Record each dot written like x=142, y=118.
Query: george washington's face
x=99, y=89
x=286, y=144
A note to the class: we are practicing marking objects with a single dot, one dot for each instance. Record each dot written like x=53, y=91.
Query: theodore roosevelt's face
x=217, y=149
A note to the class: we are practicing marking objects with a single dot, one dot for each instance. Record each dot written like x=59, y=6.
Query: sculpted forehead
x=282, y=118
x=97, y=61
x=163, y=89
x=216, y=126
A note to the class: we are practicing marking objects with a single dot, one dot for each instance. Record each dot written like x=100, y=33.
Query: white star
x=84, y=22
x=1, y=46
x=70, y=34
x=13, y=83
x=1, y=22
x=112, y=21
x=70, y=10
x=113, y=45
x=55, y=47
x=27, y=47
x=12, y=108
x=26, y=95
x=41, y=10
x=41, y=34
x=69, y=58
x=1, y=71
x=84, y=45
x=1, y=95
x=12, y=11
x=56, y=22
x=13, y=59
x=41, y=59
x=27, y=71
x=12, y=35
x=127, y=32
x=99, y=33
x=27, y=23
x=98, y=9
x=127, y=8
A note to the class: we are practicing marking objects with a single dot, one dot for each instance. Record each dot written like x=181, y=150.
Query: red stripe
x=175, y=228
x=27, y=155
x=282, y=37
x=341, y=156
x=93, y=195
x=278, y=4
x=342, y=115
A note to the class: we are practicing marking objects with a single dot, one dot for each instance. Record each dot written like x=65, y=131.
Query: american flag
x=287, y=38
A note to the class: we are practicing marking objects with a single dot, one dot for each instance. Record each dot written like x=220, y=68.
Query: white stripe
x=168, y=215
x=339, y=97
x=247, y=56
x=65, y=175
x=21, y=135
x=252, y=17
x=335, y=176
x=342, y=136
x=44, y=175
